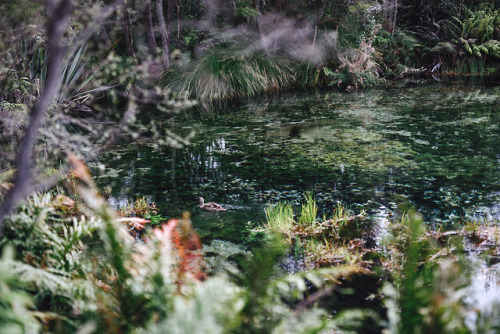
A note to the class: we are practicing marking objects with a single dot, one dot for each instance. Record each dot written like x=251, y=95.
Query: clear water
x=434, y=147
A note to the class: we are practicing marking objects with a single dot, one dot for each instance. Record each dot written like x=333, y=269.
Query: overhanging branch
x=59, y=13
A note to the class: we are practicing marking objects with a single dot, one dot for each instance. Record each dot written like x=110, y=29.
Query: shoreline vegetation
x=90, y=262
x=74, y=79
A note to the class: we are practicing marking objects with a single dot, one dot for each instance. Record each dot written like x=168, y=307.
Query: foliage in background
x=414, y=38
x=397, y=51
x=475, y=42
x=358, y=68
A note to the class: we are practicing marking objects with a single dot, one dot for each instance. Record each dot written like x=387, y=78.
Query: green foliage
x=191, y=38
x=16, y=315
x=357, y=69
x=20, y=12
x=309, y=210
x=50, y=257
x=254, y=300
x=279, y=218
x=322, y=241
x=358, y=24
x=479, y=24
x=267, y=296
x=430, y=294
x=431, y=15
x=473, y=42
x=397, y=50
x=244, y=8
x=211, y=308
x=140, y=208
x=37, y=62
x=307, y=75
x=13, y=106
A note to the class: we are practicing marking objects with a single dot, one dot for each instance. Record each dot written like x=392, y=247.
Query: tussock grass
x=224, y=74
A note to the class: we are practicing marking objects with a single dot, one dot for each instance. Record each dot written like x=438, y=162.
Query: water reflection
x=483, y=294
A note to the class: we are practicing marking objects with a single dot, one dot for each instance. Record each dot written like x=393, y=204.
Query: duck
x=210, y=206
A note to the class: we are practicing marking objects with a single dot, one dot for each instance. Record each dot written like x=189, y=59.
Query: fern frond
x=445, y=47
x=15, y=303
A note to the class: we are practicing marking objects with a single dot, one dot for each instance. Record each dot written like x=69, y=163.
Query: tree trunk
x=129, y=41
x=395, y=16
x=320, y=17
x=150, y=33
x=169, y=18
x=165, y=40
x=59, y=17
x=179, y=19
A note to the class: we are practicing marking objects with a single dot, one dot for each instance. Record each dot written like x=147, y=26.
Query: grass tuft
x=223, y=74
x=309, y=210
x=280, y=218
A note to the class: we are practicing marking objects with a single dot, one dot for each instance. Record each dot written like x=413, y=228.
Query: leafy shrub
x=397, y=50
x=430, y=289
x=473, y=43
x=358, y=68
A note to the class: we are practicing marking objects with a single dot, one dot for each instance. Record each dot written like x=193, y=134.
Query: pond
x=434, y=147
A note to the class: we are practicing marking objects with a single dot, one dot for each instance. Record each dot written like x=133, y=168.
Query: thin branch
x=59, y=17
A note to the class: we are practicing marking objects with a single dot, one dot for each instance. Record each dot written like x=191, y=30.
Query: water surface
x=434, y=147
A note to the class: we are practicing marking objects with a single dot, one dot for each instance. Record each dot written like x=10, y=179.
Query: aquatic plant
x=279, y=218
x=141, y=207
x=308, y=211
x=324, y=242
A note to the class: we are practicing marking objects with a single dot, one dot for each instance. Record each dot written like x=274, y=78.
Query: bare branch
x=58, y=19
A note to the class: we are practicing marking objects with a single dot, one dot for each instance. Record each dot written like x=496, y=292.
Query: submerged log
x=409, y=72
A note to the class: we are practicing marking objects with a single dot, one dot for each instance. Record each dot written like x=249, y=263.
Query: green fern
x=445, y=48
x=16, y=315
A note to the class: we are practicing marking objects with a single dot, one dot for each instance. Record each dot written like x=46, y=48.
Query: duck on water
x=210, y=206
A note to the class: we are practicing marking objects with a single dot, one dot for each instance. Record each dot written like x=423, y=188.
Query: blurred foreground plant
x=427, y=295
